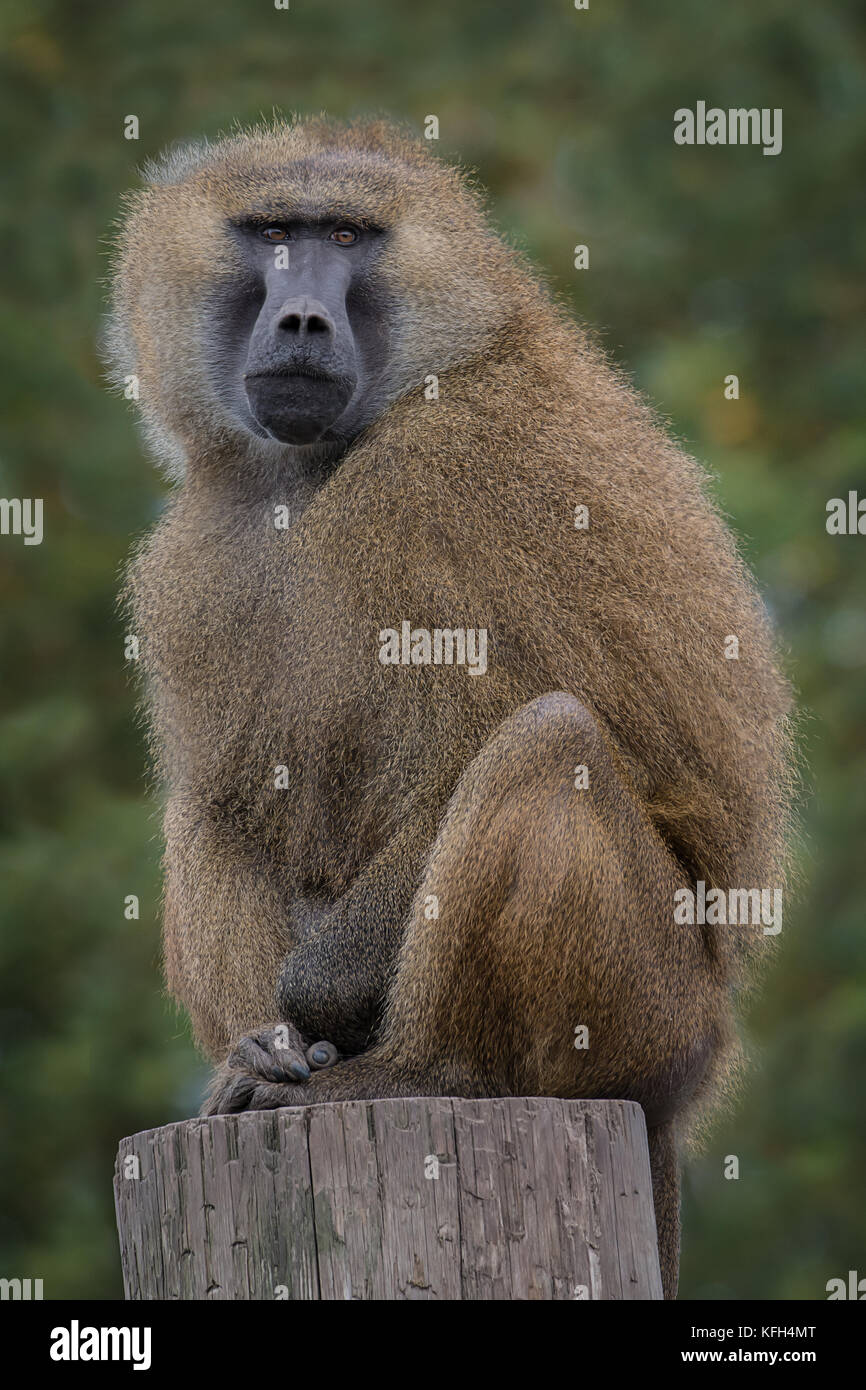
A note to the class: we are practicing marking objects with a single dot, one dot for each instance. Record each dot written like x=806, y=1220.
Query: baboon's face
x=299, y=337
x=276, y=292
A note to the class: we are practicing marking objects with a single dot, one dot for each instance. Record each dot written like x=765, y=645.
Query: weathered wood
x=430, y=1198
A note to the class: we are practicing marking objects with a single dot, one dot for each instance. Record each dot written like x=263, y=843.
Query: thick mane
x=361, y=144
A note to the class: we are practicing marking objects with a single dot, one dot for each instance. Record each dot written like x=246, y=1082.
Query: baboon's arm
x=225, y=926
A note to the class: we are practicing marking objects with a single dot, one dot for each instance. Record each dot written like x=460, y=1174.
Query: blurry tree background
x=703, y=262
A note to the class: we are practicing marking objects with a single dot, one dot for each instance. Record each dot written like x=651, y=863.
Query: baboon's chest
x=265, y=686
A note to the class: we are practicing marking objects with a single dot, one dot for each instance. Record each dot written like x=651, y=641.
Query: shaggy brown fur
x=606, y=649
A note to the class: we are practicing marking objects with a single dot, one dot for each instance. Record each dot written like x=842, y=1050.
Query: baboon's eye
x=275, y=234
x=344, y=236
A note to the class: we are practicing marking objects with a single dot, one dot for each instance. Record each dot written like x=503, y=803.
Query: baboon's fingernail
x=300, y=1070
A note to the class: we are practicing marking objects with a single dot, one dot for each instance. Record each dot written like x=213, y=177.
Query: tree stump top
x=425, y=1198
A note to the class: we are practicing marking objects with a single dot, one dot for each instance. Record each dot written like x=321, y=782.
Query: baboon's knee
x=556, y=713
x=547, y=739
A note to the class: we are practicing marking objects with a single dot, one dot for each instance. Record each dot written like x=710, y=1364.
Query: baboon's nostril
x=304, y=317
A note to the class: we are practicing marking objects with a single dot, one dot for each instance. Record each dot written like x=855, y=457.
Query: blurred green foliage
x=704, y=261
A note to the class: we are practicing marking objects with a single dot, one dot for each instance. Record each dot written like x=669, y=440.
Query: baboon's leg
x=544, y=910
x=334, y=982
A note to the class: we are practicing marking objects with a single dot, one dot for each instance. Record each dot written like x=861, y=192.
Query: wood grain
x=427, y=1198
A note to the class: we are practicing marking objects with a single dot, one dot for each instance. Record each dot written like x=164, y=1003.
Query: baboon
x=385, y=430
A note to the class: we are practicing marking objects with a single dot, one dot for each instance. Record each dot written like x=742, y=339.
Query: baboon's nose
x=305, y=318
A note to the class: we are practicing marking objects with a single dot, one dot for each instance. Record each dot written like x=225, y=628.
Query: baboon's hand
x=280, y=1054
x=273, y=1055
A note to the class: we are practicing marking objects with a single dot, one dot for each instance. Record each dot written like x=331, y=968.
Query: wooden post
x=432, y=1198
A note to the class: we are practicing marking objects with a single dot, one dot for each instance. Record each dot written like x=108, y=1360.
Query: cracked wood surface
x=534, y=1199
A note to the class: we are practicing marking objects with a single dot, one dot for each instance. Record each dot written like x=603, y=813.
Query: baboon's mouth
x=296, y=405
x=288, y=373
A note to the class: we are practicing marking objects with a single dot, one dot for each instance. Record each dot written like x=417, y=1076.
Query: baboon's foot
x=234, y=1091
x=270, y=1056
x=370, y=1076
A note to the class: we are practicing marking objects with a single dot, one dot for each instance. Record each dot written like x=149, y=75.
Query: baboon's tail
x=665, y=1169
